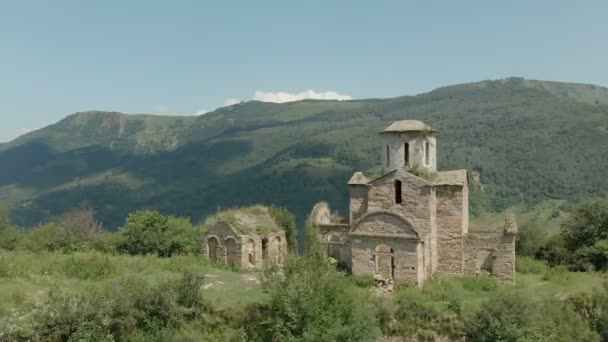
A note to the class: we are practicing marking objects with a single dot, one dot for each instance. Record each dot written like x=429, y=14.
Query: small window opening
x=398, y=198
x=388, y=156
x=427, y=153
x=406, y=153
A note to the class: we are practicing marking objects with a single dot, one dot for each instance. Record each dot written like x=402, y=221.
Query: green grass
x=28, y=276
x=469, y=293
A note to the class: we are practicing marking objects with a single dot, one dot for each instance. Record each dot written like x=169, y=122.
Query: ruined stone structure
x=246, y=238
x=413, y=220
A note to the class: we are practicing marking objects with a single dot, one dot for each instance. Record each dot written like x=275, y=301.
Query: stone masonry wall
x=495, y=250
x=450, y=216
x=337, y=238
x=407, y=259
x=358, y=201
x=416, y=200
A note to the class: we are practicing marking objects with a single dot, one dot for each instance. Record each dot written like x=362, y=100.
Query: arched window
x=388, y=156
x=406, y=153
x=398, y=197
x=427, y=153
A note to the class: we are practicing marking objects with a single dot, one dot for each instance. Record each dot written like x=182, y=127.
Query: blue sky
x=185, y=57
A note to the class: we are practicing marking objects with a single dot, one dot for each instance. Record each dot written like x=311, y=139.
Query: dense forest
x=524, y=142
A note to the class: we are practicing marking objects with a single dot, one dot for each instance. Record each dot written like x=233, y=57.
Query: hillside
x=525, y=141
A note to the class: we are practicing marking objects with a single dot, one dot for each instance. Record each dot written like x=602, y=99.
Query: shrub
x=311, y=301
x=149, y=232
x=10, y=237
x=284, y=219
x=516, y=317
x=129, y=309
x=530, y=239
x=527, y=265
x=585, y=234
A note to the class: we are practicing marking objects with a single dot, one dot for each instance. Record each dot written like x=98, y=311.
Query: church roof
x=454, y=177
x=358, y=179
x=407, y=126
x=250, y=220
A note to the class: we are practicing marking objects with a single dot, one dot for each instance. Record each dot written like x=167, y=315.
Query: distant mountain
x=523, y=140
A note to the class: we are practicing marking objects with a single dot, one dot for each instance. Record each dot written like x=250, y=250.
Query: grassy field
x=28, y=276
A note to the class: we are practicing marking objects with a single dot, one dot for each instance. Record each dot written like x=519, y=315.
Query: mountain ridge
x=527, y=140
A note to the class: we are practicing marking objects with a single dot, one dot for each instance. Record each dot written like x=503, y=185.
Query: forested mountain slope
x=524, y=140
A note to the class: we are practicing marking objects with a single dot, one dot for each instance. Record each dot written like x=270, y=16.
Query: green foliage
x=531, y=237
x=287, y=222
x=124, y=311
x=4, y=217
x=512, y=317
x=528, y=265
x=586, y=235
x=149, y=232
x=250, y=151
x=311, y=301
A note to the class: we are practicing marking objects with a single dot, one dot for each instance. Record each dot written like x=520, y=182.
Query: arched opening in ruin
x=251, y=252
x=406, y=153
x=398, y=194
x=388, y=156
x=212, y=248
x=427, y=154
x=232, y=252
x=265, y=249
x=385, y=261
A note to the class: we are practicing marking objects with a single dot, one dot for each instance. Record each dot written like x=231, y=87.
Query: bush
x=311, y=301
x=530, y=239
x=149, y=232
x=585, y=235
x=284, y=219
x=527, y=265
x=514, y=317
x=130, y=309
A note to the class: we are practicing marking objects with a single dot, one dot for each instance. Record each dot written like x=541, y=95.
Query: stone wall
x=417, y=152
x=492, y=252
x=450, y=216
x=416, y=199
x=224, y=246
x=336, y=237
x=372, y=255
x=358, y=201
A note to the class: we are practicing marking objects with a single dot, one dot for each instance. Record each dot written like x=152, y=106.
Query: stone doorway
x=385, y=261
x=212, y=248
x=265, y=250
x=232, y=255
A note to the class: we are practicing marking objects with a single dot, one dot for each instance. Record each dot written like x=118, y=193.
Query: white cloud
x=201, y=112
x=231, y=101
x=162, y=109
x=281, y=97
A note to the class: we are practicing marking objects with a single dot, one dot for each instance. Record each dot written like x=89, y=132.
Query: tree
x=585, y=234
x=149, y=232
x=287, y=221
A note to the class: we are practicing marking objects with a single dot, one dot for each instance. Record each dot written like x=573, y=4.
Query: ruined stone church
x=413, y=221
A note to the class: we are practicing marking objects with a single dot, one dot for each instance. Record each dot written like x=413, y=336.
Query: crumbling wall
x=336, y=238
x=492, y=252
x=449, y=217
x=358, y=201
